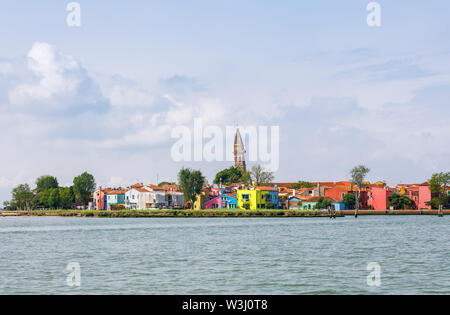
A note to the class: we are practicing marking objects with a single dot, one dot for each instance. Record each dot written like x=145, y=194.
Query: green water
x=225, y=256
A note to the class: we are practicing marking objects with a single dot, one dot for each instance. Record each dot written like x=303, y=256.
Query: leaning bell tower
x=239, y=151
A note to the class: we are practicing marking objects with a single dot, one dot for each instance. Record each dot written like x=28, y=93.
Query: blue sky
x=103, y=97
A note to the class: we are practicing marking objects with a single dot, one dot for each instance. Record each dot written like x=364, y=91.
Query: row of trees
x=49, y=195
x=258, y=175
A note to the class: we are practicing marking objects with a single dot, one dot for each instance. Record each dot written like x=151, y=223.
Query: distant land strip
x=209, y=213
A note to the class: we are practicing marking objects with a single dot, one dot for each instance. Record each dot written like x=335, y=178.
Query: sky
x=104, y=97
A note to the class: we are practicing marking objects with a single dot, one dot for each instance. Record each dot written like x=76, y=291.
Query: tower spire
x=239, y=151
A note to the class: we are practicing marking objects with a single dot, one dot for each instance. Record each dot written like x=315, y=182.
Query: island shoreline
x=208, y=213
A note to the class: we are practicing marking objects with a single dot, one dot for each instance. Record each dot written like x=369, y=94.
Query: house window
x=246, y=197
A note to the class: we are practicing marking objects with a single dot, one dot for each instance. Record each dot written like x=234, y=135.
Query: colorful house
x=310, y=202
x=338, y=192
x=199, y=204
x=257, y=198
x=114, y=197
x=424, y=196
x=230, y=201
x=151, y=197
x=99, y=199
x=293, y=203
x=224, y=201
x=132, y=197
x=379, y=198
x=339, y=206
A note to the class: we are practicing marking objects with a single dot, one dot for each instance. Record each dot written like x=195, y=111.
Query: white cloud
x=56, y=73
x=59, y=84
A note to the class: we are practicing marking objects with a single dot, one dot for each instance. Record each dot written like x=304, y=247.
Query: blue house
x=272, y=199
x=338, y=206
x=229, y=201
x=293, y=203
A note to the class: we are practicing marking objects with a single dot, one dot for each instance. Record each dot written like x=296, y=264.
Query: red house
x=338, y=191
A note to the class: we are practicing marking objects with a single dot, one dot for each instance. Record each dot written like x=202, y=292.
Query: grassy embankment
x=170, y=213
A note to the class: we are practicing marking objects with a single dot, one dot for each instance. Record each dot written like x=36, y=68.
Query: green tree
x=438, y=184
x=44, y=197
x=302, y=184
x=261, y=176
x=398, y=201
x=46, y=182
x=229, y=176
x=358, y=175
x=349, y=200
x=191, y=183
x=83, y=187
x=323, y=203
x=54, y=199
x=22, y=196
x=67, y=197
x=246, y=178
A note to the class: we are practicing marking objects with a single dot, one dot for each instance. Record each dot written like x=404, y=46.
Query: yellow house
x=253, y=199
x=201, y=200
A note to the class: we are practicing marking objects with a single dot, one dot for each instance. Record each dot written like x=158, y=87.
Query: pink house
x=214, y=203
x=413, y=194
x=223, y=201
x=99, y=199
x=424, y=196
x=379, y=198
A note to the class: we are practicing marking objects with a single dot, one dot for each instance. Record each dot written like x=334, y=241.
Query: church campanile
x=239, y=152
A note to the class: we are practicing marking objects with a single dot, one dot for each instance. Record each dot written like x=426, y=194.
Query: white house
x=132, y=198
x=151, y=197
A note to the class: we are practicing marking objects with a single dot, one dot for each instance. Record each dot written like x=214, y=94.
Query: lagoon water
x=225, y=256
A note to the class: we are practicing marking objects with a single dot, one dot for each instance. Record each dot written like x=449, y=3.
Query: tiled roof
x=116, y=191
x=265, y=188
x=153, y=187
